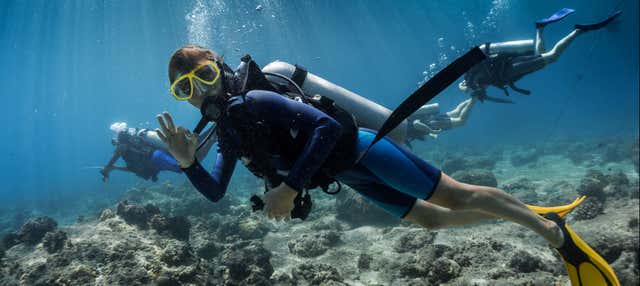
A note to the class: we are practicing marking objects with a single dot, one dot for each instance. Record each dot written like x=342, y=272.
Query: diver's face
x=200, y=90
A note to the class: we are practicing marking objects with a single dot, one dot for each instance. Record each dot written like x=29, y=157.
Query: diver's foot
x=599, y=25
x=555, y=238
x=557, y=16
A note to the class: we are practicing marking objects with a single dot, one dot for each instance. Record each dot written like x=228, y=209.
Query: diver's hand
x=182, y=144
x=105, y=173
x=278, y=202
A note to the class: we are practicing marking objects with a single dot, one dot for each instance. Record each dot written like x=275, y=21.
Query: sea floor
x=168, y=234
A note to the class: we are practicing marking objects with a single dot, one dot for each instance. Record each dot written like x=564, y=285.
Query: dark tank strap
x=299, y=75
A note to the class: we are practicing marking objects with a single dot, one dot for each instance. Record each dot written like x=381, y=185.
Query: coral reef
x=168, y=234
x=312, y=245
x=353, y=208
x=476, y=177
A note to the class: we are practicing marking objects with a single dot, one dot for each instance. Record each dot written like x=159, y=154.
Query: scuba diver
x=509, y=61
x=297, y=142
x=433, y=122
x=143, y=152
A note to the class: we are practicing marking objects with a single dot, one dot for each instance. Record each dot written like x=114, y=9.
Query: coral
x=316, y=274
x=444, y=269
x=176, y=227
x=133, y=214
x=176, y=253
x=282, y=279
x=592, y=185
x=245, y=229
x=590, y=208
x=106, y=214
x=32, y=231
x=364, y=261
x=53, y=241
x=312, y=245
x=353, y=209
x=247, y=266
x=521, y=184
x=526, y=157
x=454, y=164
x=78, y=275
x=478, y=177
x=523, y=262
x=411, y=241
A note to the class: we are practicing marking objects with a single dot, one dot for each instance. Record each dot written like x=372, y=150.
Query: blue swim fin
x=557, y=16
x=599, y=25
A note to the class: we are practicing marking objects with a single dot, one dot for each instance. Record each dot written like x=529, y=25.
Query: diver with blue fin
x=144, y=153
x=509, y=61
x=297, y=140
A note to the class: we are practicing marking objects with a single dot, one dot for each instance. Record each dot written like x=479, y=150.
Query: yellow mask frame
x=191, y=76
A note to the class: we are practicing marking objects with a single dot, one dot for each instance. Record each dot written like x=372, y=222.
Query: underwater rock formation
x=245, y=228
x=592, y=185
x=456, y=163
x=54, y=240
x=411, y=241
x=590, y=208
x=523, y=262
x=248, y=265
x=619, y=186
x=31, y=232
x=520, y=185
x=525, y=157
x=176, y=227
x=364, y=261
x=355, y=210
x=176, y=253
x=133, y=214
x=106, y=214
x=312, y=245
x=444, y=269
x=476, y=177
x=317, y=274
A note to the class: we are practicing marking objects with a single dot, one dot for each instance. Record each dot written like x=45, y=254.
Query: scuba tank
x=512, y=48
x=368, y=113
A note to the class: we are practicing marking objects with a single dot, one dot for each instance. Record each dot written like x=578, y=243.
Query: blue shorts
x=163, y=161
x=390, y=176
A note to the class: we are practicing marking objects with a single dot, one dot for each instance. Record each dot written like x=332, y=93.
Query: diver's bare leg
x=539, y=41
x=432, y=216
x=459, y=196
x=553, y=54
x=463, y=115
x=456, y=111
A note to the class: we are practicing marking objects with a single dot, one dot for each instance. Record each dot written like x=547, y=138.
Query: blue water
x=71, y=68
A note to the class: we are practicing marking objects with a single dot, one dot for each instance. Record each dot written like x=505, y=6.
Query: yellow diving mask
x=207, y=73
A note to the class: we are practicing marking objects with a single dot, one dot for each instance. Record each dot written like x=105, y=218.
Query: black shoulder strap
x=429, y=90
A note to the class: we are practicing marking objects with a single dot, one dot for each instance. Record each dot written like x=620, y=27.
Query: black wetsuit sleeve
x=212, y=185
x=298, y=118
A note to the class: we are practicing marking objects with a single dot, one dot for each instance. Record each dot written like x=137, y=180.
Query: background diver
x=143, y=152
x=294, y=146
x=508, y=62
x=428, y=119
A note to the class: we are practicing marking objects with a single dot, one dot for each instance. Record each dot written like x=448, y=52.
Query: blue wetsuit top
x=304, y=135
x=388, y=175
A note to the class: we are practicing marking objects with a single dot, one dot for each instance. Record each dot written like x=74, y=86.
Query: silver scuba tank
x=518, y=48
x=368, y=113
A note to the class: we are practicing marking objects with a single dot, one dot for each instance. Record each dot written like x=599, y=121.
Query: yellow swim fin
x=584, y=265
x=562, y=211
